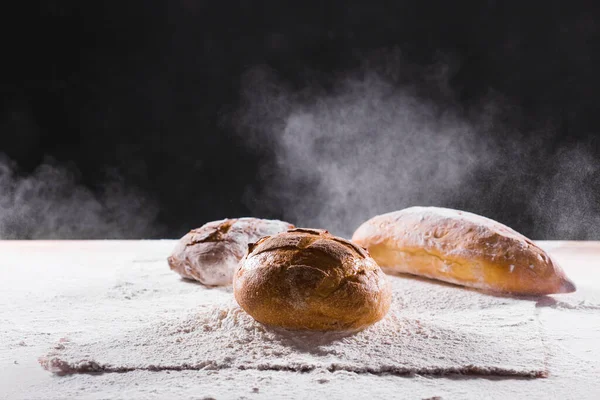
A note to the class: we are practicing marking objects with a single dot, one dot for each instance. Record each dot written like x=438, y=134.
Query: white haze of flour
x=50, y=204
x=568, y=205
x=370, y=146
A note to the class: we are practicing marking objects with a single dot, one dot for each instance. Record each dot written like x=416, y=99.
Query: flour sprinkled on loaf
x=461, y=248
x=210, y=254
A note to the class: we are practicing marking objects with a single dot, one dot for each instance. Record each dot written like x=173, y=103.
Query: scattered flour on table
x=431, y=329
x=92, y=293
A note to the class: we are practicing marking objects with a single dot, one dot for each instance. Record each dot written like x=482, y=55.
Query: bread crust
x=308, y=279
x=210, y=254
x=461, y=248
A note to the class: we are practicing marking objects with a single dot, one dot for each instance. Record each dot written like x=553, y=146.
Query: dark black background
x=142, y=88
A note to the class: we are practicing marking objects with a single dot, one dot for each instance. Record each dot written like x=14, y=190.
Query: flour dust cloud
x=374, y=143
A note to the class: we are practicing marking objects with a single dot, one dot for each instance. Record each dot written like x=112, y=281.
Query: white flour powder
x=431, y=329
x=116, y=306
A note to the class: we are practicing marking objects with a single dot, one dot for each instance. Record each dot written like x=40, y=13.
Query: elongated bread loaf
x=461, y=248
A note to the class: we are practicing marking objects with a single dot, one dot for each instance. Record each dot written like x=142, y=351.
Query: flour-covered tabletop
x=108, y=320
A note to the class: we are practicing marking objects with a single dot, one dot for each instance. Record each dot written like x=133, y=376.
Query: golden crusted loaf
x=461, y=248
x=210, y=254
x=310, y=279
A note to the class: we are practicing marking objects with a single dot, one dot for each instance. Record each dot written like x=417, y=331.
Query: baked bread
x=210, y=254
x=461, y=248
x=308, y=279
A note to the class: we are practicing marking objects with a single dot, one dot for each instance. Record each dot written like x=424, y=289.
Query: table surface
x=39, y=279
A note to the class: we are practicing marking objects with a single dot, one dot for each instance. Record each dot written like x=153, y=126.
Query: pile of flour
x=431, y=328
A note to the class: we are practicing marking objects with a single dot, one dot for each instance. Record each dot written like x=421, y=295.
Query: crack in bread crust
x=217, y=235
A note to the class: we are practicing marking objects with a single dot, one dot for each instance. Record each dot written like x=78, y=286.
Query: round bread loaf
x=461, y=248
x=211, y=253
x=310, y=279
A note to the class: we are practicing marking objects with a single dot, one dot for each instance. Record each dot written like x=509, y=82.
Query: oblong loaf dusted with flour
x=210, y=254
x=461, y=248
x=308, y=279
